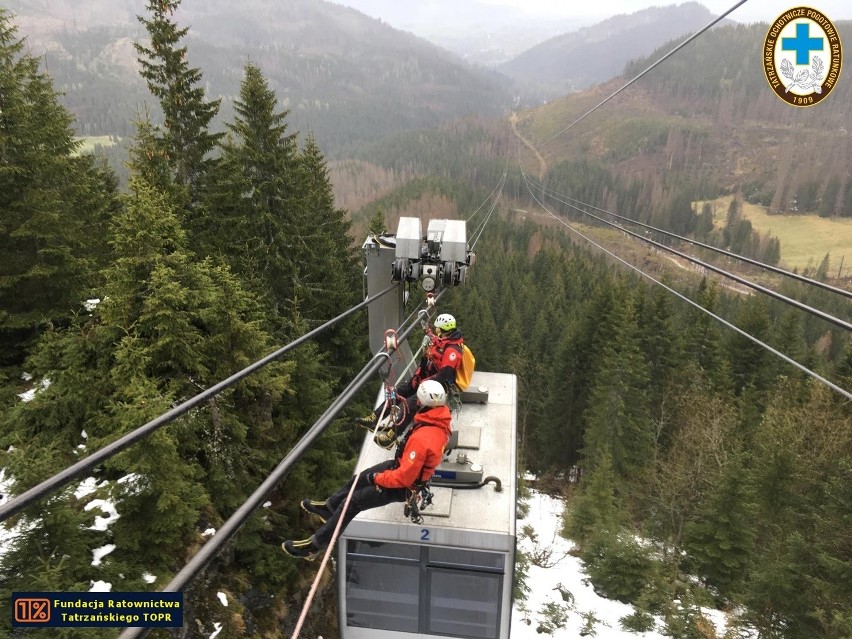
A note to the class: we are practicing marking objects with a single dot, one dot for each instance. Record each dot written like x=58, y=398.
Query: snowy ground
x=587, y=610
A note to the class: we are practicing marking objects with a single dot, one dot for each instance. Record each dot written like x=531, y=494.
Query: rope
x=325, y=559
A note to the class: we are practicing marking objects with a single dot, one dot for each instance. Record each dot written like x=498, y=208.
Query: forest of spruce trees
x=713, y=473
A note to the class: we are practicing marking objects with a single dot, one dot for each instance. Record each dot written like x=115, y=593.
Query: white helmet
x=431, y=393
x=445, y=322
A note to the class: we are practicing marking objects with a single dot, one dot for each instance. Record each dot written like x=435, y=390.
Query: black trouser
x=364, y=497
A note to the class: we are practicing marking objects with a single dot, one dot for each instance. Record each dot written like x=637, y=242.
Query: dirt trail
x=542, y=168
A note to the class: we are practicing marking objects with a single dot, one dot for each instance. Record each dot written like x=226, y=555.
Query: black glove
x=371, y=479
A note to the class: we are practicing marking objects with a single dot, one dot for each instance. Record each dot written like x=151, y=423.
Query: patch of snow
x=5, y=482
x=84, y=434
x=209, y=532
x=216, y=632
x=6, y=534
x=99, y=553
x=100, y=586
x=86, y=487
x=267, y=504
x=133, y=483
x=27, y=396
x=550, y=587
x=81, y=446
x=149, y=578
x=222, y=598
x=102, y=523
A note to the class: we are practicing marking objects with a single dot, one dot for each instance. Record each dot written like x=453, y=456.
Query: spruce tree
x=169, y=326
x=185, y=138
x=254, y=202
x=618, y=418
x=719, y=541
x=54, y=204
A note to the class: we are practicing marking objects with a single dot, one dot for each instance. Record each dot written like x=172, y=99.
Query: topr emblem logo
x=802, y=56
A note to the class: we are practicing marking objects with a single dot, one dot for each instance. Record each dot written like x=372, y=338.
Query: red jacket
x=443, y=358
x=423, y=450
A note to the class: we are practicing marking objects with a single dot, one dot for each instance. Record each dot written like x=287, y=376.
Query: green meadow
x=88, y=143
x=805, y=239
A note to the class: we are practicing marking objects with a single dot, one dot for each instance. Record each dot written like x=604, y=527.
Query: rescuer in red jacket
x=441, y=360
x=417, y=456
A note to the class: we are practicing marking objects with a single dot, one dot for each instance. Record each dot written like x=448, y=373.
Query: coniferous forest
x=713, y=473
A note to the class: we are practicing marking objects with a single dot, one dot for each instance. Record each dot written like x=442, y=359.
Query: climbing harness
x=419, y=498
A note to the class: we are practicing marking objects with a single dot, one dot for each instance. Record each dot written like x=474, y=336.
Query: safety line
x=665, y=57
x=806, y=280
x=63, y=477
x=787, y=359
x=767, y=291
x=310, y=598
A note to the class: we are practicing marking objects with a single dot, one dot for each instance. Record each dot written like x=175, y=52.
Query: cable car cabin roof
x=468, y=518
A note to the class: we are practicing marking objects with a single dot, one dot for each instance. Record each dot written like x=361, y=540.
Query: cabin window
x=424, y=589
x=383, y=586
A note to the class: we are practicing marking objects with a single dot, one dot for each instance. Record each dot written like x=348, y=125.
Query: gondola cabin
x=451, y=574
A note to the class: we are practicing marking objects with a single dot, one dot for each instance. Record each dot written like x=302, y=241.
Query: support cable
x=471, y=216
x=806, y=280
x=207, y=552
x=665, y=57
x=478, y=232
x=767, y=291
x=75, y=470
x=777, y=353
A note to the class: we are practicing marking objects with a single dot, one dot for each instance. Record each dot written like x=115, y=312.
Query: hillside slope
x=594, y=54
x=345, y=76
x=708, y=115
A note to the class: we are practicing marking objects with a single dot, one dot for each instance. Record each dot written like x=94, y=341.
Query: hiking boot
x=368, y=421
x=317, y=508
x=302, y=549
x=386, y=438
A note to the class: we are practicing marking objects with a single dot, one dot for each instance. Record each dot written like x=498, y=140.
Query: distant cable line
x=767, y=291
x=775, y=352
x=488, y=199
x=481, y=228
x=769, y=267
x=668, y=55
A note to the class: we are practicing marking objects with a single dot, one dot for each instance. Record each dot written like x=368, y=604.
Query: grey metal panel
x=409, y=237
x=482, y=511
x=474, y=395
x=470, y=437
x=454, y=246
x=386, y=312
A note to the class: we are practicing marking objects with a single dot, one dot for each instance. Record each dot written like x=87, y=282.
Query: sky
x=753, y=11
